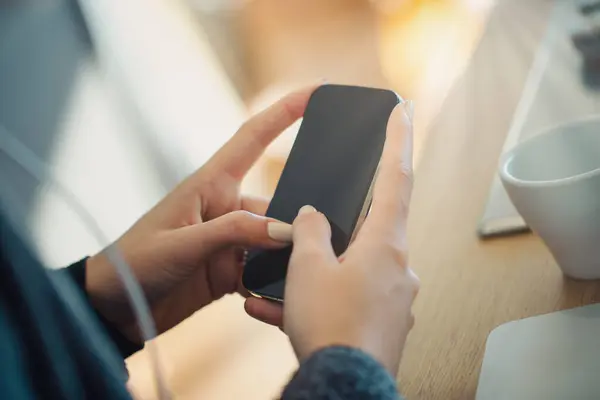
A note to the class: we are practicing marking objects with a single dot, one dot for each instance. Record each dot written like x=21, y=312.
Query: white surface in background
x=549, y=357
x=156, y=53
x=96, y=156
x=217, y=5
x=154, y=60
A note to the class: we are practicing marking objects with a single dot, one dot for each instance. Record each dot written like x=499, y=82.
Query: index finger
x=238, y=155
x=393, y=187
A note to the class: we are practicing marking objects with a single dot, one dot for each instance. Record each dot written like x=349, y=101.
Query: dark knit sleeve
x=341, y=373
x=125, y=346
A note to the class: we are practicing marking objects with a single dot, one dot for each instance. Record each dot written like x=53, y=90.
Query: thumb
x=234, y=229
x=312, y=237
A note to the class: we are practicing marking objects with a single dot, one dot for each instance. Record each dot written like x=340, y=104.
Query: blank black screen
x=331, y=166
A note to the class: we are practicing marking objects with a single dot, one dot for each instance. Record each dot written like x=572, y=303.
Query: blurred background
x=124, y=99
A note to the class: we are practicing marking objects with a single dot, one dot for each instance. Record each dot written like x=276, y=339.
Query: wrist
x=368, y=343
x=105, y=293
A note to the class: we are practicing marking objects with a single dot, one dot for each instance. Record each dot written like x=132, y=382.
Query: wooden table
x=469, y=286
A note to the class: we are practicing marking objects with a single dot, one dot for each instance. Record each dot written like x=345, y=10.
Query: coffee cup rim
x=510, y=155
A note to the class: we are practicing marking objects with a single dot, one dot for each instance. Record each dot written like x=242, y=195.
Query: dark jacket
x=53, y=345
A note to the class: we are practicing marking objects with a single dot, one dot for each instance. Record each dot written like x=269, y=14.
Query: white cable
x=35, y=167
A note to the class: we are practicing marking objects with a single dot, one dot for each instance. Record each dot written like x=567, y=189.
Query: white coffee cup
x=553, y=179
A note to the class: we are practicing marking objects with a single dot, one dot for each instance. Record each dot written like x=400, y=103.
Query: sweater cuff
x=125, y=346
x=340, y=372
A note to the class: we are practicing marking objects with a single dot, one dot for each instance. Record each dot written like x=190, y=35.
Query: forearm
x=341, y=373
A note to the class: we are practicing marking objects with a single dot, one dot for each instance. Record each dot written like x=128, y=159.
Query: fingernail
x=280, y=231
x=306, y=210
x=409, y=109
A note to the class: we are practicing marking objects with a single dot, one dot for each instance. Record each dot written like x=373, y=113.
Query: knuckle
x=395, y=194
x=406, y=174
x=246, y=126
x=397, y=253
x=239, y=221
x=415, y=284
x=387, y=251
x=393, y=208
x=404, y=180
x=291, y=105
x=401, y=174
x=403, y=207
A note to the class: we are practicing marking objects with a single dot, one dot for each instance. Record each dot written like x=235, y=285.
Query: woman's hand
x=364, y=298
x=188, y=250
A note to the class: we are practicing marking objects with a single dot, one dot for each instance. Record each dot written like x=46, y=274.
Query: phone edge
x=364, y=211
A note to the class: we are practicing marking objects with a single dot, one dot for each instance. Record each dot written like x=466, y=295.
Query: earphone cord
x=26, y=159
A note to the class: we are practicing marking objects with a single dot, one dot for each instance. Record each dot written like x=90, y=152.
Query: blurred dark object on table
x=590, y=8
x=588, y=45
x=591, y=74
x=587, y=41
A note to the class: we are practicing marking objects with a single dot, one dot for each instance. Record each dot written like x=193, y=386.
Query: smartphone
x=332, y=167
